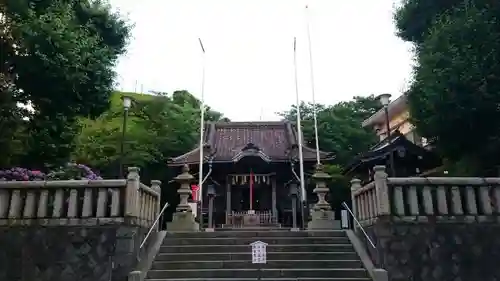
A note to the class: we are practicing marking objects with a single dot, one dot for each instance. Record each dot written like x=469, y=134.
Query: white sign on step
x=259, y=252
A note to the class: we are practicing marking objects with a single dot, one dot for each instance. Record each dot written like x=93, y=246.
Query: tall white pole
x=299, y=126
x=318, y=161
x=202, y=127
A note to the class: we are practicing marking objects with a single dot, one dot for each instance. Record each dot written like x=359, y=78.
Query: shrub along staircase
x=226, y=255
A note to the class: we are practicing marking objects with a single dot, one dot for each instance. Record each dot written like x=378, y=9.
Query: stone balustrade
x=464, y=199
x=80, y=202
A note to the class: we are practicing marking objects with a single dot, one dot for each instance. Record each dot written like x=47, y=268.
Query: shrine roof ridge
x=276, y=140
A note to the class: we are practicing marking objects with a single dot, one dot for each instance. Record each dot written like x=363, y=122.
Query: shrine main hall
x=252, y=173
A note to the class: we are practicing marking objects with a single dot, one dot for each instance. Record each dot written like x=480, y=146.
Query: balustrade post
x=355, y=185
x=382, y=191
x=156, y=186
x=132, y=190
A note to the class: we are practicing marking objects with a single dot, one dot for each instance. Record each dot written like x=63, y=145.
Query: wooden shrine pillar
x=228, y=199
x=273, y=206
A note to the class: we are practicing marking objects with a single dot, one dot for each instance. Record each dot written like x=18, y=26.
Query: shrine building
x=252, y=168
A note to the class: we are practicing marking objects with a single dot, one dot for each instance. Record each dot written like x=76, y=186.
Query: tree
x=415, y=17
x=58, y=56
x=456, y=85
x=160, y=126
x=339, y=126
x=340, y=132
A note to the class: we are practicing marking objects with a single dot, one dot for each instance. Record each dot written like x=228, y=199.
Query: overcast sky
x=249, y=51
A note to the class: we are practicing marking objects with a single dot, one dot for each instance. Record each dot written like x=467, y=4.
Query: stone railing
x=75, y=202
x=426, y=198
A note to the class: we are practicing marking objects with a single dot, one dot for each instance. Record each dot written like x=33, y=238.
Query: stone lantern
x=322, y=216
x=183, y=218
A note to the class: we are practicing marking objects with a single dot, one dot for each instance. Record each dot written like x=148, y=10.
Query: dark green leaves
x=455, y=96
x=339, y=127
x=58, y=55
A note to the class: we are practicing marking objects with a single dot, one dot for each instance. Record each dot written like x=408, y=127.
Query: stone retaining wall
x=74, y=230
x=62, y=253
x=430, y=229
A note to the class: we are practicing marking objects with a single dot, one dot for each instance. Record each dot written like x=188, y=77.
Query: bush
x=71, y=171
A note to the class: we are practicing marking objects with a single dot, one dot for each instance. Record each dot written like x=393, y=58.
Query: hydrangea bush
x=71, y=171
x=74, y=171
x=21, y=174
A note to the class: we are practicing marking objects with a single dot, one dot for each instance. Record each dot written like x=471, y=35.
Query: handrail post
x=155, y=185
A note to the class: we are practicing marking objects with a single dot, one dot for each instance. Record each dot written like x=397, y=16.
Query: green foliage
x=159, y=127
x=340, y=132
x=339, y=126
x=58, y=56
x=456, y=90
x=415, y=17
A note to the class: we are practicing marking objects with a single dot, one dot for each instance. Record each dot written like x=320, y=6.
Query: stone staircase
x=226, y=255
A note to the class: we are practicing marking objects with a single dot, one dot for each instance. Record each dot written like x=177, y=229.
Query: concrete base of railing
x=380, y=275
x=147, y=257
x=209, y=230
x=294, y=229
x=377, y=274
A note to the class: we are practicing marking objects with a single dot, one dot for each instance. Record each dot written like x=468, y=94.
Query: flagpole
x=318, y=161
x=202, y=130
x=299, y=126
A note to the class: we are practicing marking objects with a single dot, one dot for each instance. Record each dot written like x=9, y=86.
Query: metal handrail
x=344, y=204
x=154, y=224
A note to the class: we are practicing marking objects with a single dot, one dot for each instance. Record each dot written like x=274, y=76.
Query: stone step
x=253, y=273
x=248, y=248
x=235, y=264
x=262, y=279
x=287, y=256
x=268, y=227
x=247, y=240
x=241, y=234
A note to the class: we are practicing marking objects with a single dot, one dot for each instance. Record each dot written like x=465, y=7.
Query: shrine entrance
x=251, y=200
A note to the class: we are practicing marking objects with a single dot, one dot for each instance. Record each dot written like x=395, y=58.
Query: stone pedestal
x=322, y=216
x=183, y=218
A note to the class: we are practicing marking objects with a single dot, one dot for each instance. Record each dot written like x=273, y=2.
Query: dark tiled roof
x=277, y=141
x=391, y=145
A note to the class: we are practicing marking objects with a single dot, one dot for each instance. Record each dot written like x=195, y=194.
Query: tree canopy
x=339, y=126
x=160, y=126
x=57, y=56
x=340, y=132
x=456, y=85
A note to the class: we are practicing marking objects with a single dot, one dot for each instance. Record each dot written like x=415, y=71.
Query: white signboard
x=344, y=219
x=259, y=252
x=194, y=208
